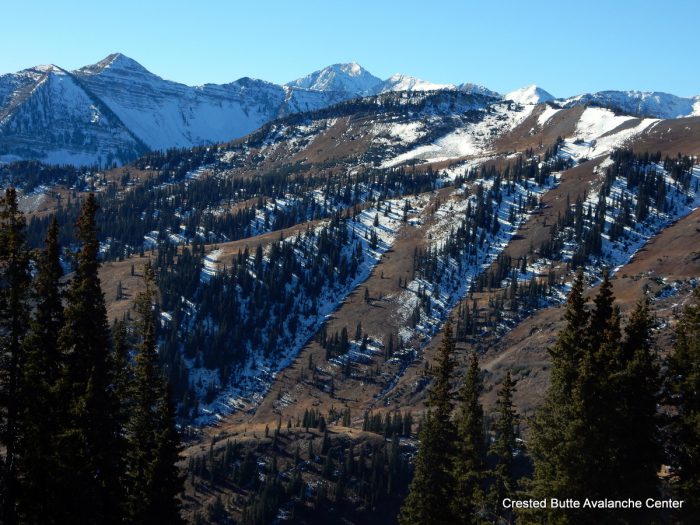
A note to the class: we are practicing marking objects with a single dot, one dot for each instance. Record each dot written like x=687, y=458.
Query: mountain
x=115, y=110
x=351, y=80
x=531, y=94
x=640, y=103
x=46, y=113
x=468, y=87
x=166, y=114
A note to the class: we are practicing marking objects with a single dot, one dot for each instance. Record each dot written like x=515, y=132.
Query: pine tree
x=502, y=451
x=14, y=321
x=597, y=397
x=153, y=478
x=470, y=447
x=41, y=371
x=558, y=425
x=637, y=433
x=684, y=390
x=90, y=439
x=168, y=480
x=432, y=488
x=597, y=436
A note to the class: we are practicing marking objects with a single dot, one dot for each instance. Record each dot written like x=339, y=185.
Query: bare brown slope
x=531, y=135
x=671, y=137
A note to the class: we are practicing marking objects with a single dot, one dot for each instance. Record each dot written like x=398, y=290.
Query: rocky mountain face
x=47, y=114
x=115, y=110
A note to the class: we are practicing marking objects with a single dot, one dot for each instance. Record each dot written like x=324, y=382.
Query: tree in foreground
x=14, y=321
x=684, y=386
x=558, y=426
x=154, y=481
x=469, y=467
x=42, y=369
x=596, y=435
x=502, y=452
x=432, y=488
x=89, y=443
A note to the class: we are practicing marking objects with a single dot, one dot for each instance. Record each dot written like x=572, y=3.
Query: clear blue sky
x=564, y=46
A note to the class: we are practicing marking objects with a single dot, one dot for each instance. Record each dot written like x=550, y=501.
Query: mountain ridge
x=112, y=111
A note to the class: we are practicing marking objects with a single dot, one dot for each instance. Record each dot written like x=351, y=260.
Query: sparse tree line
x=200, y=209
x=475, y=228
x=645, y=190
x=87, y=428
x=614, y=413
x=256, y=304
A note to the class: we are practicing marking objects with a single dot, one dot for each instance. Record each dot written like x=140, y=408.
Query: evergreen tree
x=502, y=451
x=470, y=447
x=168, y=480
x=597, y=436
x=14, y=321
x=637, y=431
x=432, y=488
x=90, y=439
x=558, y=426
x=684, y=386
x=40, y=375
x=154, y=481
x=123, y=372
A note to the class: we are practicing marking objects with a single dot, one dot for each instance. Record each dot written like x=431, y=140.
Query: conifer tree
x=597, y=396
x=14, y=320
x=637, y=430
x=168, y=480
x=470, y=447
x=558, y=425
x=432, y=488
x=153, y=478
x=90, y=440
x=598, y=438
x=684, y=390
x=41, y=371
x=502, y=451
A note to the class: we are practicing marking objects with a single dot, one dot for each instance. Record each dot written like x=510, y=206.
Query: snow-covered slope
x=137, y=111
x=640, y=103
x=531, y=94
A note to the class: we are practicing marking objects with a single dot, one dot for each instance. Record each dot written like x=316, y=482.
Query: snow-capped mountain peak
x=531, y=94
x=348, y=78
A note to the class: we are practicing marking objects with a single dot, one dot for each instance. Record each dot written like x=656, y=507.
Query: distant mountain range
x=115, y=110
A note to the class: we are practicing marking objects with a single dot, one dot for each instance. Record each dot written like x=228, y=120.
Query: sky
x=565, y=47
